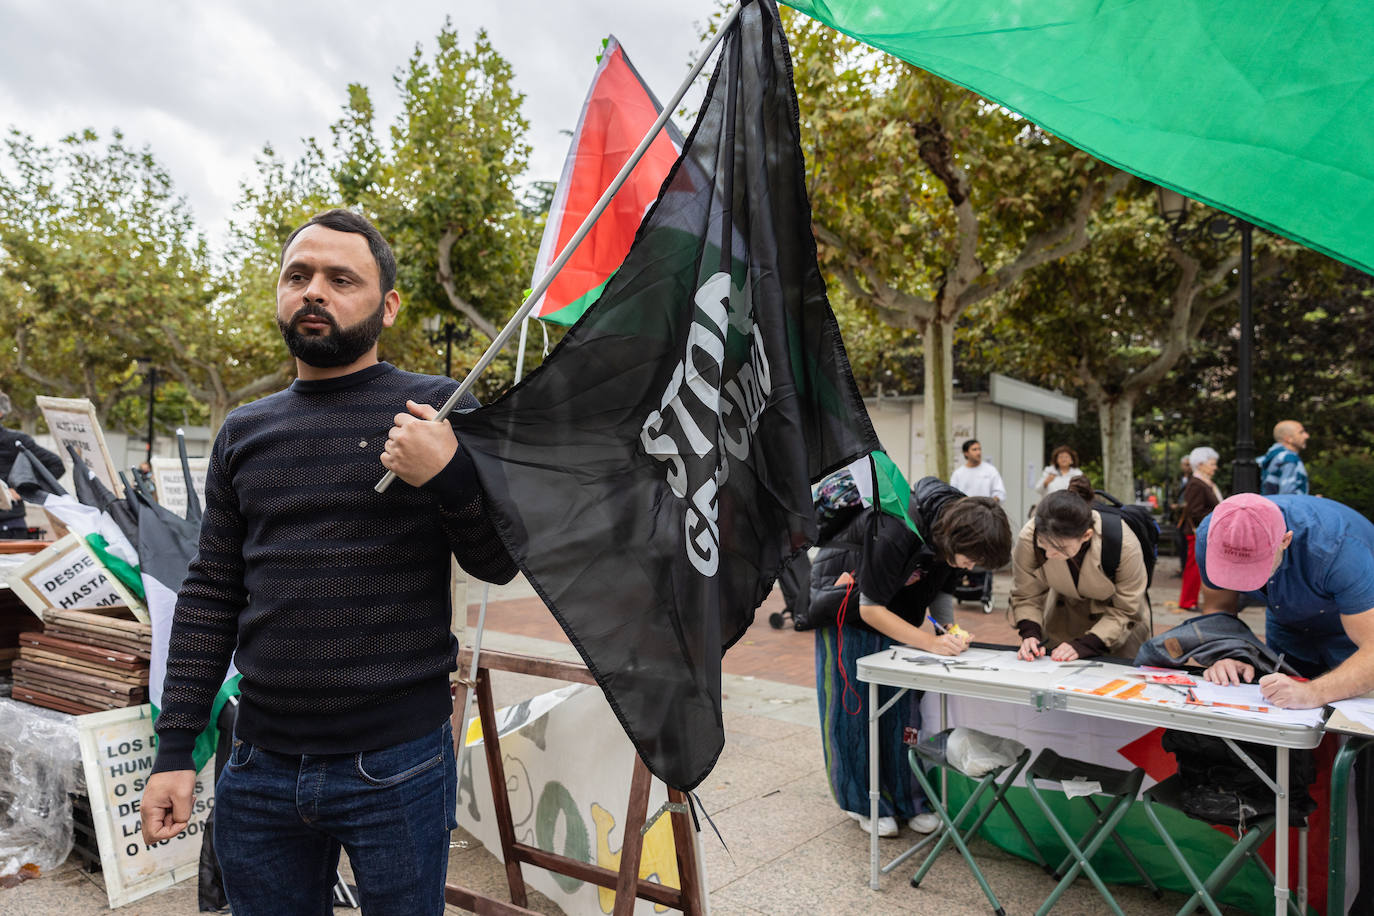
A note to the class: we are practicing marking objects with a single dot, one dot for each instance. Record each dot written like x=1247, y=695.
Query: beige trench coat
x=1116, y=612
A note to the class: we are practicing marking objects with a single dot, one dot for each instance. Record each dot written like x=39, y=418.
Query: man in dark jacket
x=12, y=524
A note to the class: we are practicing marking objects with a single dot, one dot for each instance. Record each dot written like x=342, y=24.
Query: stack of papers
x=1360, y=709
x=1246, y=701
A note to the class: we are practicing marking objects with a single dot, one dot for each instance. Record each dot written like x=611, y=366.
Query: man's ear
x=1287, y=539
x=391, y=306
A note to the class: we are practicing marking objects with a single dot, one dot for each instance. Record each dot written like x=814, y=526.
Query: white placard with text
x=117, y=750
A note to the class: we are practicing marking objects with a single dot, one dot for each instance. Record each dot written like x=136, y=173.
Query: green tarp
x=1263, y=109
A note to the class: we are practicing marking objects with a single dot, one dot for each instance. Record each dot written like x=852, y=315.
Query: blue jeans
x=280, y=820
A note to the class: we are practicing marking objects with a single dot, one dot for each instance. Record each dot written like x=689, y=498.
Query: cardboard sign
x=117, y=750
x=171, y=483
x=72, y=421
x=67, y=575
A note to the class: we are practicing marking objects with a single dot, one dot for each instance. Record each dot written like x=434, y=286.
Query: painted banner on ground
x=117, y=750
x=568, y=765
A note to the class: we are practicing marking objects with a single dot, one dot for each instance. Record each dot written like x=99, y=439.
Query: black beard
x=340, y=347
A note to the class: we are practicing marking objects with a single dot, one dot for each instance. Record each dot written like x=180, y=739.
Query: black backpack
x=1143, y=525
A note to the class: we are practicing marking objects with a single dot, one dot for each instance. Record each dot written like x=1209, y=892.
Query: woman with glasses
x=1062, y=600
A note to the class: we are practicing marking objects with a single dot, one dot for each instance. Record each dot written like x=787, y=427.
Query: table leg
x=1281, y=835
x=873, y=750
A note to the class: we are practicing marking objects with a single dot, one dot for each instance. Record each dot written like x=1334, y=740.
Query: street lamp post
x=146, y=365
x=1173, y=207
x=437, y=330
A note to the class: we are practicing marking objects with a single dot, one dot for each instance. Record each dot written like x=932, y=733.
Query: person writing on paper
x=894, y=575
x=1311, y=561
x=1062, y=597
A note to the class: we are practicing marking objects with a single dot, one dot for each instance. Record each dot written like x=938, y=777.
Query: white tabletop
x=994, y=674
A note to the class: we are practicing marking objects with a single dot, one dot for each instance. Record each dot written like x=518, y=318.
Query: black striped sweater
x=333, y=599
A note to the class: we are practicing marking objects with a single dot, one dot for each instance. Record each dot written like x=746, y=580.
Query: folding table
x=1009, y=682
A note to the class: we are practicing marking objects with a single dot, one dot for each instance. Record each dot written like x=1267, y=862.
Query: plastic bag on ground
x=975, y=753
x=40, y=763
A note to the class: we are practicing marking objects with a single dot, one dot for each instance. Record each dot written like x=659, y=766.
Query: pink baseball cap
x=1242, y=538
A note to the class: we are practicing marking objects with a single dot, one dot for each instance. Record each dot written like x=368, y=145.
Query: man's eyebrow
x=334, y=269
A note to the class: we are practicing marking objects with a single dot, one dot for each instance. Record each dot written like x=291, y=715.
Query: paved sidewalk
x=791, y=850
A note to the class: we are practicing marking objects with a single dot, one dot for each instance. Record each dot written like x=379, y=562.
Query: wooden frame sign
x=171, y=483
x=72, y=421
x=67, y=575
x=117, y=750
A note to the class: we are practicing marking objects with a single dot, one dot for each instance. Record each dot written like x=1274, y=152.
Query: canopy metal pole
x=501, y=339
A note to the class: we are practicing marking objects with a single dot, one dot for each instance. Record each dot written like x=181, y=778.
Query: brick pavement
x=787, y=656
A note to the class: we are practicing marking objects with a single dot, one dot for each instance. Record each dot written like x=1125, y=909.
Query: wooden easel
x=626, y=882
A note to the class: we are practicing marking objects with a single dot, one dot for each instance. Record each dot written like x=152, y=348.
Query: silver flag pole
x=499, y=342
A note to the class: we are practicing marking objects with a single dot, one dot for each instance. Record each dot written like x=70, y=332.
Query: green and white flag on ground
x=1260, y=109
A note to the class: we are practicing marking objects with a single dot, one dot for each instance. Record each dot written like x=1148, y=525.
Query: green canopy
x=1263, y=109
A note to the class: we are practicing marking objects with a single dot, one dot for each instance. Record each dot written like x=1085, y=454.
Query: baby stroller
x=975, y=585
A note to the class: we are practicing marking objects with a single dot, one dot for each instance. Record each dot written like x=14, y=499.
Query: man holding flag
x=333, y=601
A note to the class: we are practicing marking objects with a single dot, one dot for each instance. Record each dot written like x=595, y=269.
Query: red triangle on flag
x=618, y=112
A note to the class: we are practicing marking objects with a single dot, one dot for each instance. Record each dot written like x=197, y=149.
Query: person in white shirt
x=1062, y=468
x=978, y=477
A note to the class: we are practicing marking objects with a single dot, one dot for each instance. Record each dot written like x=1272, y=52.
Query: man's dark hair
x=977, y=527
x=968, y=444
x=348, y=221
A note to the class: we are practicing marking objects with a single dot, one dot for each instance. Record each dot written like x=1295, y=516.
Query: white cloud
x=206, y=85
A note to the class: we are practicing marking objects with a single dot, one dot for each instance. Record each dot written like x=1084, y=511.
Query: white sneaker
x=887, y=826
x=924, y=823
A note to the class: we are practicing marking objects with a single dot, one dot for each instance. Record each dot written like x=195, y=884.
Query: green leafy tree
x=445, y=188
x=96, y=250
x=928, y=200
x=1114, y=320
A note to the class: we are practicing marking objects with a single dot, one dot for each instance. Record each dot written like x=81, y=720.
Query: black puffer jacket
x=10, y=440
x=882, y=553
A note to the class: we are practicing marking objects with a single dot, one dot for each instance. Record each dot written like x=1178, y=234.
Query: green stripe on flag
x=207, y=742
x=127, y=575
x=567, y=316
x=1249, y=890
x=891, y=492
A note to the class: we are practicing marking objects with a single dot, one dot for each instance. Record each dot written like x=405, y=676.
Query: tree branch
x=1050, y=245
x=897, y=308
x=444, y=274
x=60, y=386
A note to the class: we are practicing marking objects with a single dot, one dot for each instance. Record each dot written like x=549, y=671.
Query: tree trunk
x=1114, y=424
x=938, y=338
x=219, y=409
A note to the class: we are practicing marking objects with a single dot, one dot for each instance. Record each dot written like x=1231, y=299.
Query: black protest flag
x=652, y=477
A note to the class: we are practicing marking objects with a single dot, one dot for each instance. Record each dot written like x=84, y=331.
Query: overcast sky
x=205, y=85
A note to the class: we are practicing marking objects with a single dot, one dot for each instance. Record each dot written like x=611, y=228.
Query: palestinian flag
x=618, y=112
x=653, y=475
x=166, y=546
x=115, y=530
x=86, y=515
x=1259, y=109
